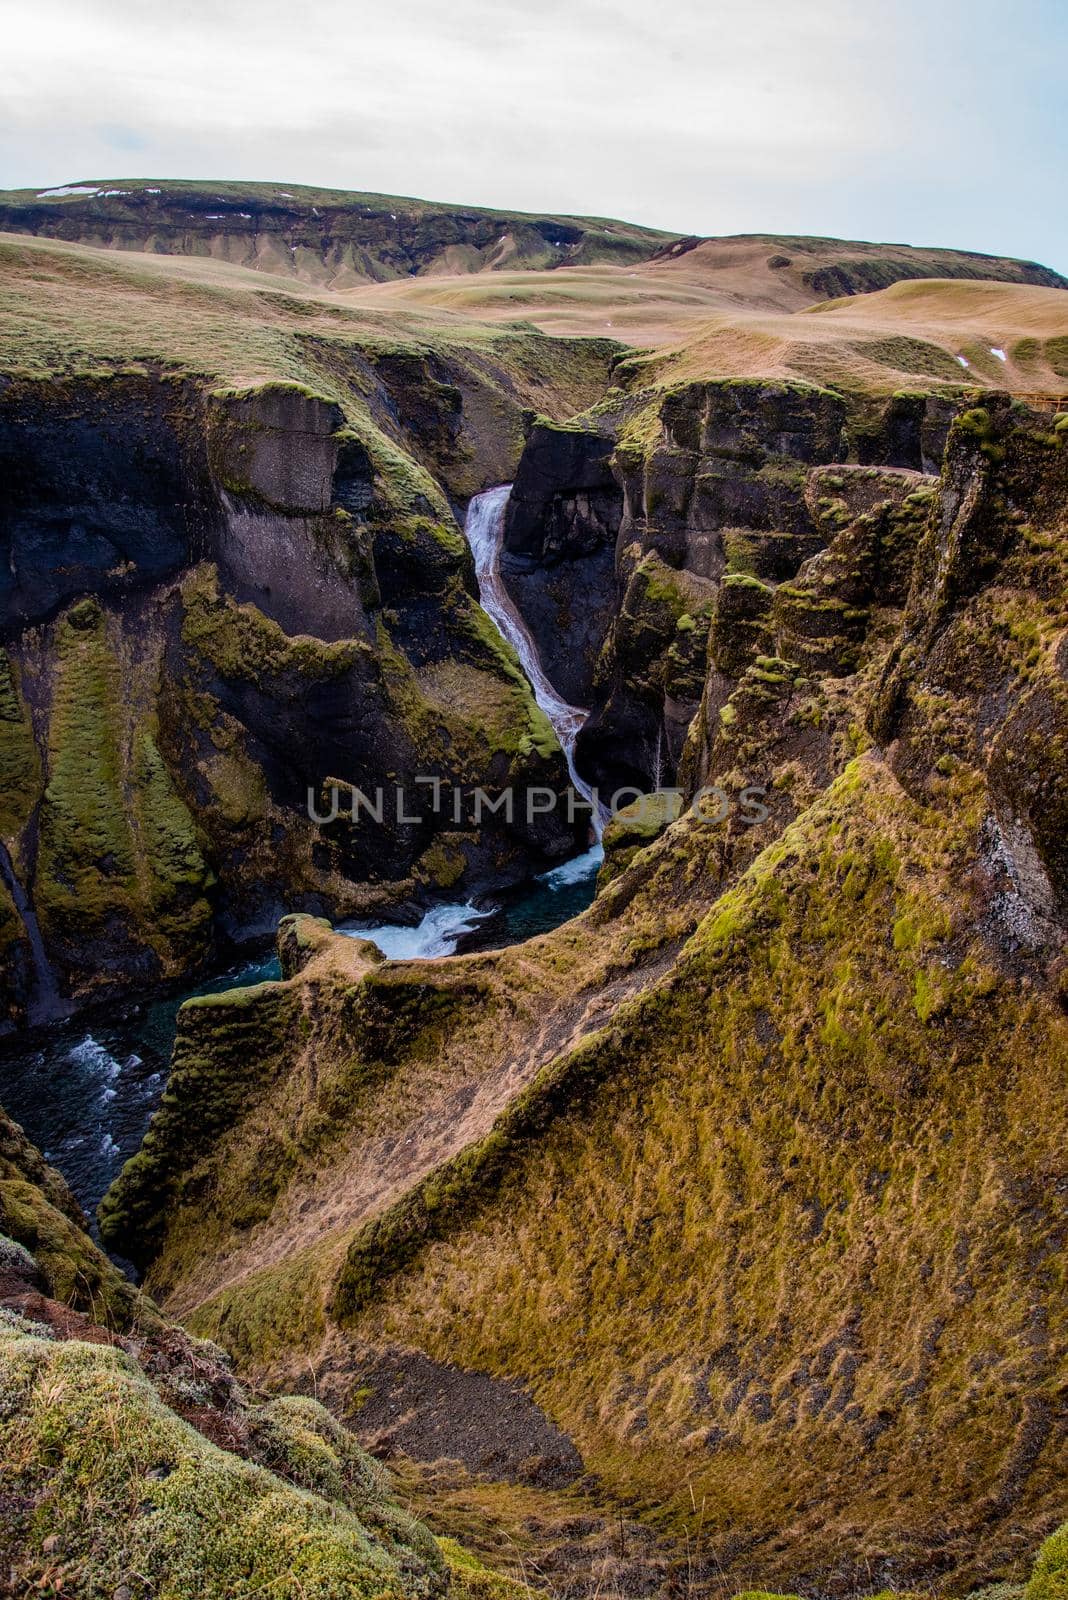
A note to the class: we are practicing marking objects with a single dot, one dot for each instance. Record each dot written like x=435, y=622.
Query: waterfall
x=484, y=531
x=45, y=1001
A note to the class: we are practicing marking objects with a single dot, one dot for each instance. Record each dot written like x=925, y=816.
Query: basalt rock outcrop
x=215, y=605
x=558, y=554
x=671, y=529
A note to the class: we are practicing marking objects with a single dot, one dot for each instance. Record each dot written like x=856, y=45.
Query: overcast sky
x=924, y=121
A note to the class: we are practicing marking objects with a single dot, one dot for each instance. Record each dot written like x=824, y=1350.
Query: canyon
x=710, y=1239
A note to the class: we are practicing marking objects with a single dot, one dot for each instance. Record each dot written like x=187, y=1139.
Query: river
x=85, y=1088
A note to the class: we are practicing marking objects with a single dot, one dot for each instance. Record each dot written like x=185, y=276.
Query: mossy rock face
x=753, y=416
x=717, y=510
x=565, y=501
x=741, y=623
x=78, y=1273
x=86, y=867
x=874, y=520
x=277, y=447
x=299, y=937
x=986, y=616
x=231, y=560
x=651, y=671
x=40, y=1214
x=121, y=884
x=20, y=762
x=106, y=492
x=209, y=1088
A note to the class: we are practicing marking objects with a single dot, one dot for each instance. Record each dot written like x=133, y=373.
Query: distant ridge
x=339, y=238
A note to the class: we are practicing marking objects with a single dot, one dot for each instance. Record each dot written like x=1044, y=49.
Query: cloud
x=724, y=114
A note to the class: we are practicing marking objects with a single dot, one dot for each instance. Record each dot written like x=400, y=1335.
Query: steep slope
x=133, y=1459
x=136, y=1461
x=754, y=1191
x=323, y=236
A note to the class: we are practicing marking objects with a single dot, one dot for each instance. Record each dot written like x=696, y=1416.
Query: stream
x=85, y=1088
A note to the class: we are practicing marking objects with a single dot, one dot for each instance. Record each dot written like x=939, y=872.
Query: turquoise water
x=85, y=1089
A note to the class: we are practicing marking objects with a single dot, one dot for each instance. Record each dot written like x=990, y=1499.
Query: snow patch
x=963, y=362
x=994, y=351
x=65, y=188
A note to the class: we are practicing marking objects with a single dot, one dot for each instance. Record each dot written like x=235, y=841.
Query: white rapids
x=437, y=934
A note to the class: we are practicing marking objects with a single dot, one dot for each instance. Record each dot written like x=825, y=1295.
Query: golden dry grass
x=715, y=311
x=720, y=311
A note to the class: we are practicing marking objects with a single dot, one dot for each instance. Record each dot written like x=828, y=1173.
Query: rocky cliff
x=214, y=601
x=749, y=1175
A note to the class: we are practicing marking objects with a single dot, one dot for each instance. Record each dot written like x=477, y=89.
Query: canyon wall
x=215, y=601
x=748, y=1174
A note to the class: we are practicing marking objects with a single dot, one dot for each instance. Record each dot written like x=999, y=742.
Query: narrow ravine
x=45, y=1000
x=85, y=1088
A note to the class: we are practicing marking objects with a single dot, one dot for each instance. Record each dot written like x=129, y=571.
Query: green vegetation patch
x=116, y=1492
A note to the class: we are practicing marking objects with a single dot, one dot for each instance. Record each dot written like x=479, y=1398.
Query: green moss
x=86, y=861
x=534, y=732
x=178, y=877
x=978, y=424
x=635, y=826
x=471, y=1579
x=443, y=865
x=740, y=552
x=79, y=1274
x=12, y=930
x=656, y=584
x=763, y=1594
x=1049, y=1580
x=241, y=643
x=745, y=580
x=20, y=763
x=129, y=1495
x=228, y=1047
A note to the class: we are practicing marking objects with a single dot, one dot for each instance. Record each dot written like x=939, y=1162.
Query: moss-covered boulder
x=633, y=827
x=109, y=1489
